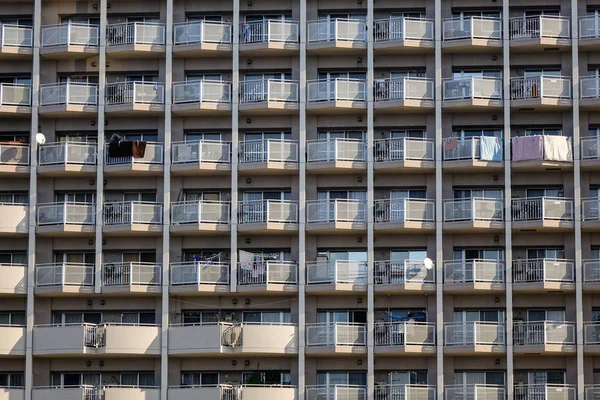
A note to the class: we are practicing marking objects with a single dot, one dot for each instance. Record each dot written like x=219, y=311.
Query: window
x=203, y=77
x=199, y=378
x=342, y=316
x=19, y=137
x=81, y=19
x=342, y=134
x=198, y=136
x=478, y=254
x=543, y=377
x=138, y=379
x=401, y=255
x=147, y=136
x=479, y=378
x=12, y=318
x=488, y=193
x=81, y=137
x=204, y=255
x=201, y=196
x=479, y=316
x=543, y=131
x=17, y=21
x=408, y=14
x=75, y=258
x=536, y=254
x=393, y=315
x=8, y=258
x=261, y=196
x=408, y=133
x=343, y=195
x=78, y=197
x=541, y=192
x=476, y=132
x=341, y=378
x=90, y=79
x=66, y=379
x=267, y=135
x=346, y=255
x=536, y=73
x=408, y=378
x=470, y=73
x=267, y=17
x=14, y=198
x=152, y=20
x=267, y=317
x=546, y=315
x=16, y=80
x=398, y=194
x=200, y=18
x=342, y=75
x=476, y=13
x=141, y=257
x=139, y=196
x=355, y=16
x=12, y=379
x=267, y=378
x=267, y=75
x=139, y=318
x=141, y=78
x=200, y=317
x=76, y=317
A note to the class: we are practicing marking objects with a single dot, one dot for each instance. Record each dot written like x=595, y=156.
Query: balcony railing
x=265, y=211
x=402, y=149
x=200, y=273
x=474, y=209
x=64, y=274
x=336, y=271
x=327, y=150
x=268, y=272
x=543, y=332
x=403, y=210
x=12, y=94
x=135, y=33
x=81, y=153
x=591, y=271
x=268, y=150
x=544, y=392
x=466, y=149
x=209, y=151
x=474, y=87
x=337, y=392
x=204, y=91
x=539, y=26
x=268, y=31
x=471, y=271
x=336, y=334
x=543, y=270
x=474, y=333
x=135, y=93
x=202, y=32
x=203, y=211
x=542, y=208
x=70, y=34
x=401, y=272
x=132, y=212
x=69, y=93
x=16, y=35
x=589, y=27
x=406, y=88
x=475, y=392
x=556, y=87
x=67, y=213
x=591, y=209
x=337, y=210
x=472, y=28
x=339, y=29
x=404, y=333
x=131, y=274
x=590, y=148
x=14, y=154
x=153, y=154
x=589, y=87
x=337, y=89
x=277, y=90
x=592, y=333
x=399, y=28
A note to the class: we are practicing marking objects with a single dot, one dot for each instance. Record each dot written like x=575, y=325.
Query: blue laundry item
x=490, y=148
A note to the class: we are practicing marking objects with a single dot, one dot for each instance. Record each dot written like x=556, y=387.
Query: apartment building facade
x=302, y=162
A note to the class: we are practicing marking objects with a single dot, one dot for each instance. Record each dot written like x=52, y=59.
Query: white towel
x=558, y=148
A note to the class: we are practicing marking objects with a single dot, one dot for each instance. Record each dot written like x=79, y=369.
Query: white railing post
x=472, y=35
x=64, y=221
x=68, y=33
x=62, y=274
x=268, y=155
x=541, y=92
x=405, y=266
x=66, y=153
x=199, y=208
x=335, y=271
x=197, y=264
x=403, y=36
x=267, y=272
x=335, y=211
x=545, y=335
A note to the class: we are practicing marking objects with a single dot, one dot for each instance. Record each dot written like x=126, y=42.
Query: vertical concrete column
x=370, y=194
x=235, y=88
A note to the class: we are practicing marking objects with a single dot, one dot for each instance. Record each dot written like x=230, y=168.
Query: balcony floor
x=66, y=290
x=544, y=349
x=590, y=226
x=200, y=229
x=69, y=111
x=274, y=228
x=15, y=111
x=472, y=45
x=404, y=166
x=135, y=110
x=337, y=47
x=133, y=169
x=66, y=230
x=69, y=51
x=539, y=44
x=543, y=287
x=8, y=170
x=135, y=51
x=336, y=288
x=66, y=170
x=473, y=226
x=132, y=230
x=269, y=168
x=404, y=227
x=475, y=350
x=199, y=289
x=268, y=288
x=541, y=165
x=406, y=46
x=474, y=287
x=132, y=289
x=202, y=50
x=269, y=108
x=325, y=351
x=15, y=53
x=336, y=107
x=321, y=228
x=590, y=104
x=590, y=164
x=200, y=168
x=201, y=109
x=472, y=105
x=272, y=49
x=541, y=104
x=404, y=350
x=336, y=167
x=407, y=288
x=403, y=106
x=543, y=226
x=473, y=165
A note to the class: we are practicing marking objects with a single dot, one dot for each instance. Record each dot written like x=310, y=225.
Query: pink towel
x=527, y=148
x=450, y=143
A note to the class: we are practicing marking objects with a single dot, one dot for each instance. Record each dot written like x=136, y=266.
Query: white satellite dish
x=40, y=138
x=428, y=263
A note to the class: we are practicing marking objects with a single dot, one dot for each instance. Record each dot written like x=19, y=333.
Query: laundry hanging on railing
x=527, y=148
x=450, y=143
x=558, y=148
x=490, y=148
x=117, y=147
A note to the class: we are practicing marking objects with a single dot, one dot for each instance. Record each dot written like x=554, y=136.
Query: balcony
x=135, y=98
x=402, y=338
x=590, y=214
x=589, y=93
x=127, y=218
x=466, y=155
x=67, y=159
x=15, y=41
x=12, y=341
x=589, y=33
x=475, y=93
x=268, y=216
x=131, y=277
x=590, y=154
x=14, y=279
x=202, y=38
x=67, y=278
x=477, y=214
x=336, y=338
x=66, y=219
x=543, y=275
x=403, y=277
x=545, y=391
x=268, y=276
x=337, y=392
x=540, y=153
x=130, y=393
x=337, y=36
x=540, y=93
x=200, y=217
x=337, y=96
x=79, y=392
x=67, y=40
x=229, y=392
x=591, y=275
x=269, y=97
x=540, y=32
x=15, y=100
x=205, y=98
x=476, y=392
x=14, y=159
x=544, y=337
x=12, y=393
x=591, y=335
x=105, y=339
x=336, y=156
x=396, y=35
x=336, y=216
x=68, y=99
x=269, y=156
x=228, y=338
x=470, y=34
x=466, y=276
x=199, y=277
x=397, y=155
x=408, y=94
x=476, y=337
x=404, y=215
x=336, y=277
x=271, y=37
x=203, y=157
x=149, y=164
x=552, y=214
x=135, y=39
x=15, y=219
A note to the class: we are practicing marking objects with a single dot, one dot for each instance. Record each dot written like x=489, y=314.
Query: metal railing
x=265, y=211
x=13, y=35
x=404, y=333
x=268, y=150
x=135, y=93
x=202, y=32
x=153, y=154
x=591, y=271
x=69, y=93
x=135, y=33
x=475, y=392
x=336, y=271
x=474, y=209
x=131, y=274
x=81, y=153
x=13, y=94
x=472, y=28
x=536, y=87
x=544, y=392
x=326, y=150
x=590, y=148
x=542, y=208
x=337, y=89
x=266, y=272
x=336, y=334
x=403, y=271
x=474, y=333
x=338, y=210
x=589, y=88
x=401, y=149
x=199, y=273
x=210, y=151
x=204, y=91
x=406, y=88
x=591, y=333
x=203, y=211
x=336, y=392
x=543, y=270
x=64, y=274
x=399, y=28
x=590, y=209
x=132, y=212
x=403, y=210
x=70, y=34
x=66, y=213
x=14, y=154
x=539, y=26
x=589, y=27
x=543, y=332
x=339, y=29
x=277, y=90
x=477, y=270
x=474, y=87
x=268, y=31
